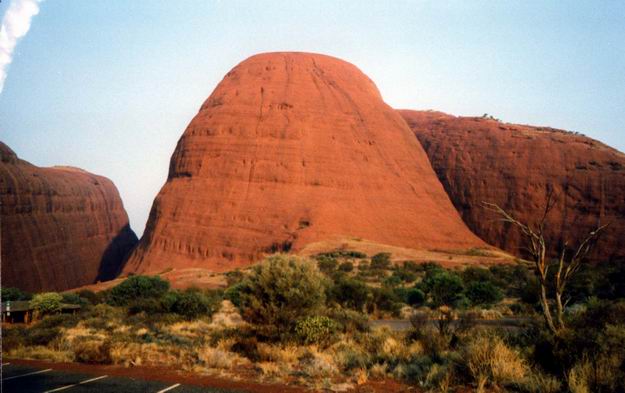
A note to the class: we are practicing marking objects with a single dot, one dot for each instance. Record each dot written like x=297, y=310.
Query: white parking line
x=24, y=375
x=169, y=388
x=5, y=364
x=76, y=384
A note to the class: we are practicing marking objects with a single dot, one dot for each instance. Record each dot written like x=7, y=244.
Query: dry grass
x=378, y=371
x=317, y=364
x=41, y=353
x=215, y=358
x=275, y=353
x=189, y=329
x=227, y=317
x=490, y=360
x=136, y=354
x=585, y=374
x=538, y=382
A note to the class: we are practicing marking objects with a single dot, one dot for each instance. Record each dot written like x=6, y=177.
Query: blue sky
x=109, y=86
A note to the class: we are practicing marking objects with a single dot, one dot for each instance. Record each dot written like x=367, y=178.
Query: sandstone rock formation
x=61, y=227
x=293, y=148
x=480, y=159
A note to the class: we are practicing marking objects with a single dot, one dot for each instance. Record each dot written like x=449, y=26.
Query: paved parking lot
x=27, y=379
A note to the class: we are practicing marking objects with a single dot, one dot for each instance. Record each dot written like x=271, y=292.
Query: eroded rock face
x=294, y=148
x=61, y=227
x=480, y=159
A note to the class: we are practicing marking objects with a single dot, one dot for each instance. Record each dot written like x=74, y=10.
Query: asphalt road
x=27, y=379
x=399, y=325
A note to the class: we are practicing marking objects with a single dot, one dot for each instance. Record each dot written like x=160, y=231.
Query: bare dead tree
x=567, y=265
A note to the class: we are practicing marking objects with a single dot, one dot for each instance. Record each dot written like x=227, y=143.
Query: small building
x=20, y=311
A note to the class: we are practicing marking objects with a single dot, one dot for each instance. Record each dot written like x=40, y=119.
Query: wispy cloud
x=15, y=25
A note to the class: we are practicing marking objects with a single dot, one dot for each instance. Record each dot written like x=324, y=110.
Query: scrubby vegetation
x=307, y=321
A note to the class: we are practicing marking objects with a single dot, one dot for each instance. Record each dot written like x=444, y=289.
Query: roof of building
x=24, y=305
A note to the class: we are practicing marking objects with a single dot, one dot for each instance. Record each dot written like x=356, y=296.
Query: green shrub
x=350, y=293
x=327, y=264
x=350, y=321
x=391, y=282
x=90, y=296
x=381, y=261
x=137, y=287
x=73, y=298
x=58, y=320
x=530, y=291
x=14, y=337
x=346, y=267
x=416, y=371
x=476, y=274
x=483, y=293
x=384, y=299
x=405, y=275
x=234, y=277
x=445, y=288
x=315, y=330
x=46, y=303
x=191, y=303
x=14, y=294
x=42, y=336
x=233, y=293
x=280, y=291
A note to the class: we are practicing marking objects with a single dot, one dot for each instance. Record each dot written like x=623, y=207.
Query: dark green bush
x=381, y=261
x=90, y=296
x=58, y=320
x=234, y=277
x=342, y=254
x=405, y=275
x=42, y=336
x=384, y=299
x=14, y=294
x=73, y=298
x=415, y=297
x=530, y=291
x=14, y=337
x=346, y=267
x=233, y=293
x=280, y=291
x=483, y=293
x=476, y=274
x=327, y=264
x=191, y=303
x=350, y=293
x=444, y=288
x=391, y=281
x=137, y=287
x=350, y=321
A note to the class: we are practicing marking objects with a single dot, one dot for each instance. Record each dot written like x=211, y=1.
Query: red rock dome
x=294, y=148
x=61, y=227
x=480, y=159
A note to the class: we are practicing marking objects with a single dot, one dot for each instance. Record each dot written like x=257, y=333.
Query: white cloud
x=15, y=25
